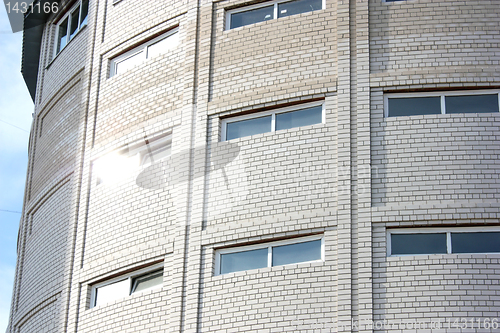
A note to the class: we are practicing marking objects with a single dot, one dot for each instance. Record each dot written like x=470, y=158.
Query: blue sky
x=16, y=108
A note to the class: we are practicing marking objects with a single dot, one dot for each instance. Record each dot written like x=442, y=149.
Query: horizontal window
x=442, y=241
x=70, y=24
x=270, y=121
x=151, y=49
x=117, y=165
x=441, y=103
x=126, y=285
x=268, y=11
x=285, y=252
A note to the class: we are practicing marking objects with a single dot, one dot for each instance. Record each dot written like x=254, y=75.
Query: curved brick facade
x=350, y=178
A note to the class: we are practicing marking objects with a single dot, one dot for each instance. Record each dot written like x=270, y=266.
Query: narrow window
x=265, y=12
x=84, y=13
x=270, y=121
x=472, y=103
x=75, y=15
x=244, y=260
x=248, y=127
x=300, y=252
x=252, y=16
x=291, y=251
x=426, y=243
x=475, y=242
x=62, y=37
x=299, y=118
x=148, y=50
x=111, y=292
x=414, y=106
x=147, y=281
x=298, y=7
x=126, y=285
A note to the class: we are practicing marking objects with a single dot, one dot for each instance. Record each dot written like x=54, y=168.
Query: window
x=270, y=10
x=441, y=241
x=290, y=251
x=71, y=23
x=117, y=165
x=262, y=122
x=126, y=285
x=441, y=103
x=151, y=49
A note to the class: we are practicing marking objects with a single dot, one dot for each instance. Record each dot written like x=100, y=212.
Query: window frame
x=67, y=16
x=272, y=113
x=227, y=25
x=142, y=48
x=269, y=246
x=447, y=231
x=127, y=276
x=441, y=94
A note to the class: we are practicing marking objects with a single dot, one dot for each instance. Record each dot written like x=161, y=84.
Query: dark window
x=425, y=243
x=475, y=242
x=410, y=106
x=472, y=103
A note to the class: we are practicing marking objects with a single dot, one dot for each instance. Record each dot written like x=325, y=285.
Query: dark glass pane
x=298, y=6
x=242, y=261
x=62, y=37
x=85, y=13
x=239, y=129
x=298, y=118
x=74, y=22
x=251, y=16
x=300, y=252
x=412, y=106
x=475, y=242
x=472, y=103
x=418, y=243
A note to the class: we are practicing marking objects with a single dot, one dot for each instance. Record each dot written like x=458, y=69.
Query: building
x=261, y=166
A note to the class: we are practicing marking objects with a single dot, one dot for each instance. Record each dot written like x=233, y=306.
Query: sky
x=16, y=108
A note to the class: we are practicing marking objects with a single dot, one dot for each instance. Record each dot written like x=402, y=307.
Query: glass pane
x=241, y=261
x=110, y=292
x=475, y=242
x=300, y=252
x=252, y=16
x=298, y=118
x=414, y=106
x=298, y=6
x=74, y=22
x=62, y=39
x=239, y=129
x=418, y=243
x=126, y=64
x=148, y=281
x=472, y=103
x=85, y=13
x=163, y=45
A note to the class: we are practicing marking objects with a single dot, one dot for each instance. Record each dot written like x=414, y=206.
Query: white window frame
x=260, y=5
x=441, y=94
x=68, y=16
x=143, y=48
x=269, y=247
x=447, y=231
x=130, y=277
x=273, y=113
